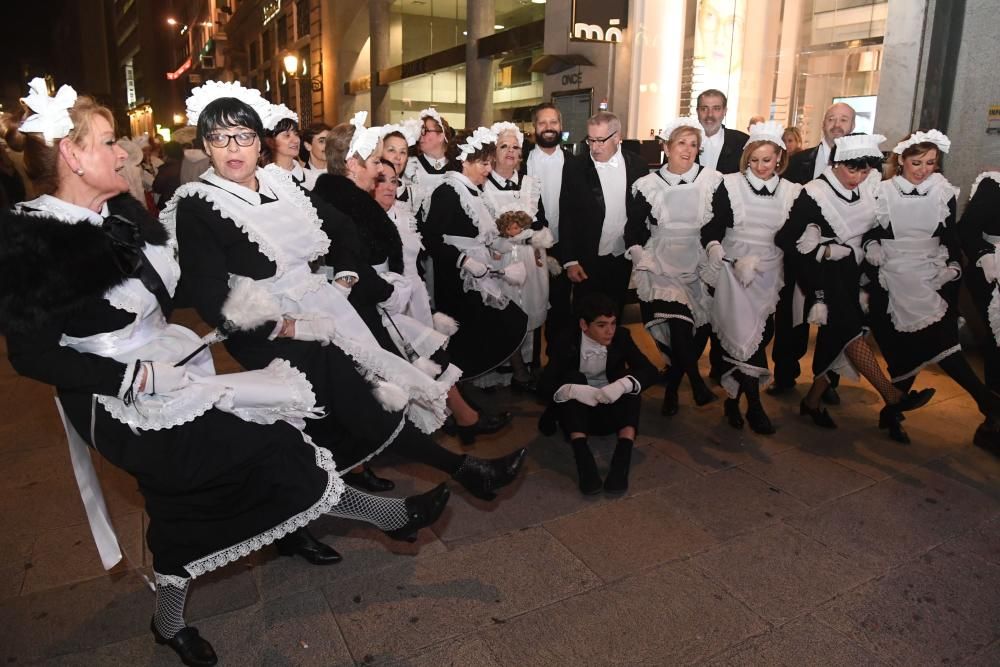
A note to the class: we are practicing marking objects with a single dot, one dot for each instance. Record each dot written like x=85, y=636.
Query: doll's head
x=513, y=223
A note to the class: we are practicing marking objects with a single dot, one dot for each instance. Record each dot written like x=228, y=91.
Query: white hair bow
x=500, y=127
x=51, y=117
x=275, y=114
x=365, y=139
x=935, y=137
x=475, y=142
x=210, y=91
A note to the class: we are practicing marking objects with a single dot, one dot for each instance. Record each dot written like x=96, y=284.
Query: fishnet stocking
x=383, y=513
x=866, y=363
x=171, y=596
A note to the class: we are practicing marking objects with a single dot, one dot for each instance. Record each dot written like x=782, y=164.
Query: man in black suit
x=723, y=146
x=791, y=342
x=592, y=385
x=593, y=205
x=548, y=162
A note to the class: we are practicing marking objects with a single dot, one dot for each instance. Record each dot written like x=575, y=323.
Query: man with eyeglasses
x=593, y=207
x=723, y=146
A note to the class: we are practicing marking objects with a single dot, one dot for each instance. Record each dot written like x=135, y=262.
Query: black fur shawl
x=378, y=234
x=48, y=268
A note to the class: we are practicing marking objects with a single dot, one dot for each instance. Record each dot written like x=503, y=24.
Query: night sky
x=27, y=32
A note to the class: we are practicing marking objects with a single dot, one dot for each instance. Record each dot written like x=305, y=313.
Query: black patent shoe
x=703, y=395
x=523, y=386
x=368, y=480
x=188, y=645
x=890, y=418
x=670, y=403
x=302, y=543
x=731, y=408
x=758, y=420
x=421, y=511
x=915, y=399
x=485, y=425
x=484, y=477
x=830, y=396
x=819, y=416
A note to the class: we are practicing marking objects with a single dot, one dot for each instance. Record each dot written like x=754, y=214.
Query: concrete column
x=378, y=25
x=478, y=72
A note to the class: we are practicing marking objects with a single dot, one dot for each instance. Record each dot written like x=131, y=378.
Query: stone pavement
x=808, y=547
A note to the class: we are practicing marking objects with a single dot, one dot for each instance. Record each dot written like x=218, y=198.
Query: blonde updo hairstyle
x=338, y=143
x=754, y=145
x=41, y=162
x=679, y=132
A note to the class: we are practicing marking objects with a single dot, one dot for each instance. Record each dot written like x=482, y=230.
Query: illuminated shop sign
x=270, y=10
x=599, y=20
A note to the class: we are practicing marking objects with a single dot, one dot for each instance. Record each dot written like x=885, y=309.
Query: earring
x=78, y=172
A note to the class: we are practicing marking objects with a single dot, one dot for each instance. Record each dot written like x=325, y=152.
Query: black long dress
x=981, y=219
x=487, y=335
x=216, y=487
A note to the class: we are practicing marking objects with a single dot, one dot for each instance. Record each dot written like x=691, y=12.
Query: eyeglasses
x=600, y=142
x=426, y=130
x=220, y=140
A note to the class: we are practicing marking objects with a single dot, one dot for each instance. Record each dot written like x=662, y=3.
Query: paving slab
x=942, y=608
x=780, y=573
x=669, y=616
x=896, y=519
x=301, y=630
x=804, y=641
x=395, y=612
x=983, y=541
x=43, y=465
x=812, y=479
x=224, y=590
x=459, y=652
x=973, y=467
x=731, y=502
x=653, y=531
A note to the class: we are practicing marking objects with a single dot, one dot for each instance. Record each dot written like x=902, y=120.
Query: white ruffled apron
x=422, y=185
x=289, y=233
x=993, y=308
x=419, y=305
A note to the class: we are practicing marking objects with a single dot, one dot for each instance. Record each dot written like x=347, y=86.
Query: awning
x=552, y=63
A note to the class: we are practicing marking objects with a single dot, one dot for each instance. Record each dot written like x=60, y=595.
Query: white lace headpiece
x=505, y=126
x=276, y=113
x=51, y=118
x=475, y=142
x=431, y=112
x=858, y=145
x=935, y=137
x=410, y=129
x=767, y=131
x=686, y=121
x=210, y=91
x=365, y=139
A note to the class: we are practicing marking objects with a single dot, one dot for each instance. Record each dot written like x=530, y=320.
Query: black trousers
x=560, y=318
x=790, y=342
x=607, y=274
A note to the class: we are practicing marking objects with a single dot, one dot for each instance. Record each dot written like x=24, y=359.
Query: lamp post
x=291, y=62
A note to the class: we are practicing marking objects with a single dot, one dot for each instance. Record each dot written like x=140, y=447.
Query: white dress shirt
x=712, y=149
x=547, y=169
x=613, y=183
x=822, y=159
x=593, y=361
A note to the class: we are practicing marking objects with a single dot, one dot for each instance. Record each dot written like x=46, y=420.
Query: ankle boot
x=483, y=477
x=621, y=461
x=586, y=467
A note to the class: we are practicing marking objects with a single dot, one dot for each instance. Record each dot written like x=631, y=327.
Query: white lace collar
x=64, y=210
x=688, y=176
x=244, y=193
x=465, y=180
x=907, y=188
x=770, y=184
x=838, y=187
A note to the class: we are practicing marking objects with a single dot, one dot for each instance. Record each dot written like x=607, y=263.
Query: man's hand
x=576, y=273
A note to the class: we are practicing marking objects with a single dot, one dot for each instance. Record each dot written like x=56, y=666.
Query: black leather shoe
x=421, y=511
x=588, y=479
x=731, y=408
x=616, y=483
x=368, y=480
x=915, y=399
x=830, y=396
x=523, y=386
x=988, y=437
x=485, y=425
x=703, y=395
x=188, y=645
x=670, y=404
x=758, y=420
x=302, y=543
x=483, y=477
x=779, y=389
x=819, y=416
x=892, y=419
x=548, y=423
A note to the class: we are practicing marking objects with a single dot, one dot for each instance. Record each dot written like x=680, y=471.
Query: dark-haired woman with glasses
x=435, y=157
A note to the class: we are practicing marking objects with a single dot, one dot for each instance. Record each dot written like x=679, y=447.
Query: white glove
x=988, y=263
x=874, y=253
x=402, y=290
x=314, y=328
x=944, y=276
x=715, y=254
x=515, y=274
x=809, y=240
x=555, y=268
x=502, y=246
x=475, y=268
x=163, y=378
x=637, y=253
x=838, y=252
x=745, y=269
x=582, y=393
x=615, y=390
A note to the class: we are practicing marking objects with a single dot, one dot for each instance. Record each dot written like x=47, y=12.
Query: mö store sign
x=599, y=20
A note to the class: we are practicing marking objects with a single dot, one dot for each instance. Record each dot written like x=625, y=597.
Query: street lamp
x=291, y=62
x=171, y=21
